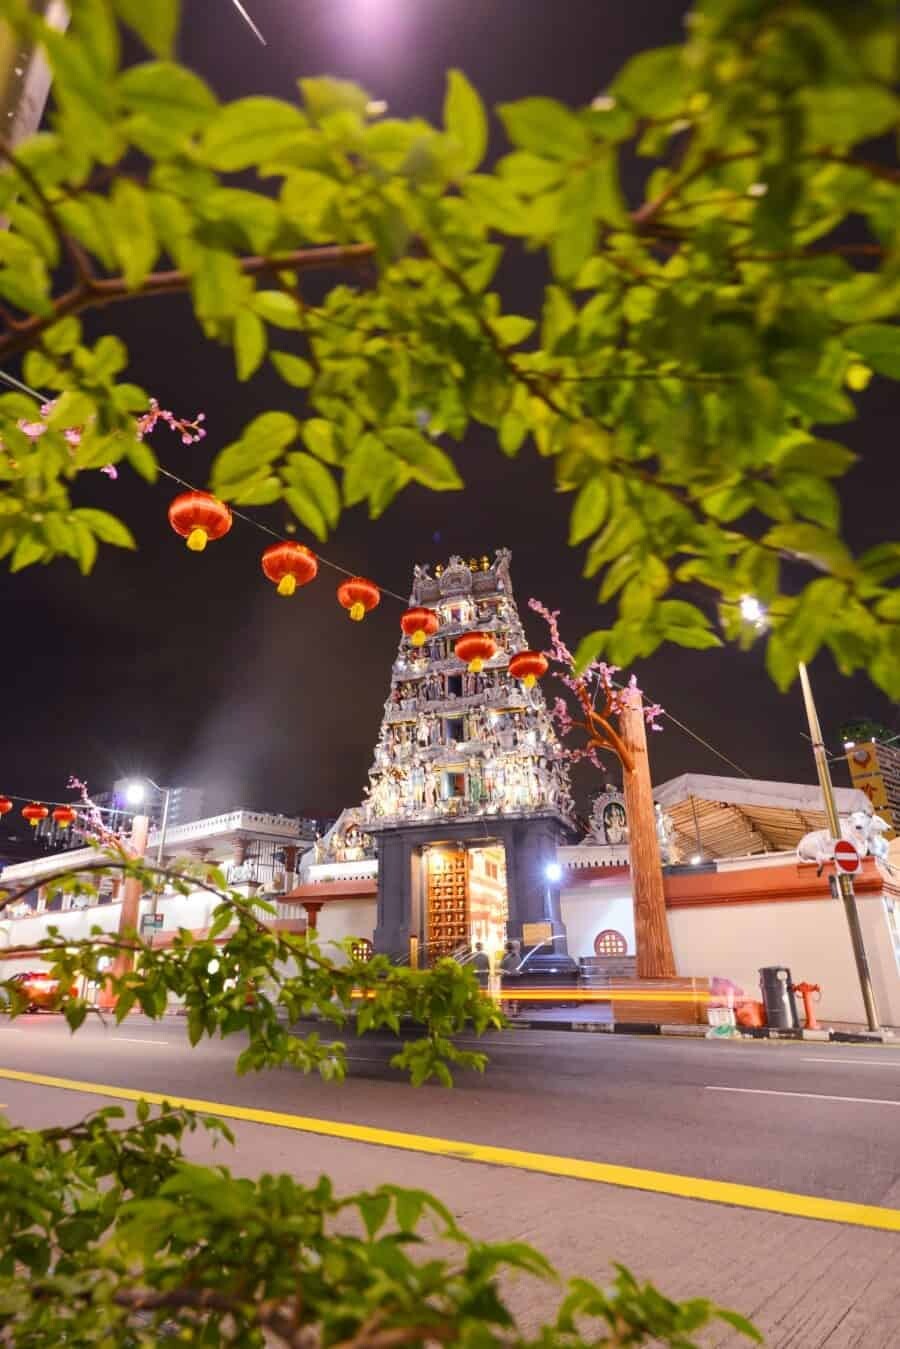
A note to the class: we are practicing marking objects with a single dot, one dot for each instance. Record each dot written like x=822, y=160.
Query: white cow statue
x=864, y=830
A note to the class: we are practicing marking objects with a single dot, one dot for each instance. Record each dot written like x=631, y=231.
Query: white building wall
x=339, y=919
x=810, y=937
x=593, y=907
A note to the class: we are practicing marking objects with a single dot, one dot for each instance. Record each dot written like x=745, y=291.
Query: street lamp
x=135, y=794
x=752, y=611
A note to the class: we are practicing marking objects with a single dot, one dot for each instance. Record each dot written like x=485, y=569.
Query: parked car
x=41, y=990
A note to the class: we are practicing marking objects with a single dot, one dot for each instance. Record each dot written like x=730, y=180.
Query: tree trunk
x=654, y=946
x=130, y=913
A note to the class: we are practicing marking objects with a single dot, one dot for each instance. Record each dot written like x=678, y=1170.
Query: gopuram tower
x=469, y=795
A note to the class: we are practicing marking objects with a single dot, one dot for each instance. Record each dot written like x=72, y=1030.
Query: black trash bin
x=777, y=990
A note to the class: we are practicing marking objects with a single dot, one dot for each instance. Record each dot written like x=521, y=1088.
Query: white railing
x=593, y=855
x=249, y=822
x=365, y=869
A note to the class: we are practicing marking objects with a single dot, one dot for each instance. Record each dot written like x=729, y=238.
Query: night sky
x=189, y=667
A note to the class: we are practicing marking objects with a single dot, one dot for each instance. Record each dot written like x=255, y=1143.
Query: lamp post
x=753, y=612
x=135, y=793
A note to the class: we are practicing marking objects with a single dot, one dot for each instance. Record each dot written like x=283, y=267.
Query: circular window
x=609, y=942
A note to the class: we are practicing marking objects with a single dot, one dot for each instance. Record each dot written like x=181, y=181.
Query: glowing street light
x=553, y=872
x=135, y=795
x=752, y=611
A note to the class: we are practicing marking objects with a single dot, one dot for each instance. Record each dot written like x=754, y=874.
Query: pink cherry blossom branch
x=190, y=431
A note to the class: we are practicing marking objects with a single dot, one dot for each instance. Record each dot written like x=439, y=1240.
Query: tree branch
x=76, y=255
x=96, y=292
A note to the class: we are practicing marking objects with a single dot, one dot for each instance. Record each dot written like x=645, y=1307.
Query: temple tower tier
x=468, y=796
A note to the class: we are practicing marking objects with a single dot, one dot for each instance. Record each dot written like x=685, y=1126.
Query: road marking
x=806, y=1095
x=573, y=1168
x=138, y=1040
x=865, y=1063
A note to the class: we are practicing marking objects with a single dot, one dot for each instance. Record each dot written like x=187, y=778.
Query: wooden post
x=130, y=913
x=654, y=947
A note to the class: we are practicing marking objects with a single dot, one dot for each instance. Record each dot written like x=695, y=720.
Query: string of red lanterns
x=199, y=517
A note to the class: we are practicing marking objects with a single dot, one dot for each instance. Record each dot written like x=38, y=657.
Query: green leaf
x=106, y=527
x=277, y=308
x=654, y=82
x=812, y=497
x=819, y=401
x=72, y=409
x=167, y=94
x=218, y=287
x=814, y=545
x=28, y=550
x=428, y=464
x=321, y=439
x=270, y=433
x=324, y=96
x=465, y=119
x=824, y=457
x=545, y=127
x=154, y=21
x=261, y=443
x=135, y=238
x=697, y=639
x=838, y=116
x=142, y=460
x=879, y=346
x=590, y=648
x=589, y=510
x=513, y=329
x=311, y=476
x=293, y=369
x=249, y=131
x=573, y=242
x=781, y=660
x=249, y=343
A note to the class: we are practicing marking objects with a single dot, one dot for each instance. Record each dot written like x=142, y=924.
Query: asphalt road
x=822, y=1121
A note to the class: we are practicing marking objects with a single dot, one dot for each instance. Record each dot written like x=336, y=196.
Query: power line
x=335, y=566
x=239, y=515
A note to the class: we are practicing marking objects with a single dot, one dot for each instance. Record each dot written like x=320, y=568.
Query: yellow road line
x=573, y=1168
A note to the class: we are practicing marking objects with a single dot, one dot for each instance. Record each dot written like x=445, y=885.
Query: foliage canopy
x=692, y=342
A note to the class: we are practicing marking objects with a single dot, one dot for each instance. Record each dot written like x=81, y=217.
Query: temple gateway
x=468, y=795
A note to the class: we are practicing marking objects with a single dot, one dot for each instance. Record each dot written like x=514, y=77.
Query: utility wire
x=335, y=566
x=239, y=515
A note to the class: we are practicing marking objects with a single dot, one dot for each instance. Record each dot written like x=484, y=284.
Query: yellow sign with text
x=535, y=934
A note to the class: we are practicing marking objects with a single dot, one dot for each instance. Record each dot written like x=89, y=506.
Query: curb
x=701, y=1032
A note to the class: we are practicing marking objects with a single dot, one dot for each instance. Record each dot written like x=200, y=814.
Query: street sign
x=152, y=922
x=846, y=857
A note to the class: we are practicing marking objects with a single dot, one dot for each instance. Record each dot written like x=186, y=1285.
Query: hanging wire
x=239, y=515
x=72, y=805
x=335, y=566
x=249, y=22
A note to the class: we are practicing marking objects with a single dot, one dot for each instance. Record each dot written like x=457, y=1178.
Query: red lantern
x=34, y=814
x=529, y=666
x=419, y=624
x=289, y=565
x=5, y=805
x=475, y=648
x=64, y=816
x=358, y=596
x=199, y=517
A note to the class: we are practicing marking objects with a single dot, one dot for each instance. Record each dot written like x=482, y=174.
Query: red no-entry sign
x=846, y=857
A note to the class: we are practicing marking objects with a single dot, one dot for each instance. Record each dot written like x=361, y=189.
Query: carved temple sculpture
x=468, y=793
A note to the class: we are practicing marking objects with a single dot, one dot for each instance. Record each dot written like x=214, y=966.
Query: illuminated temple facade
x=468, y=795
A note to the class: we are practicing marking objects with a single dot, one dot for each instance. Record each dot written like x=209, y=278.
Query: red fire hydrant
x=806, y=992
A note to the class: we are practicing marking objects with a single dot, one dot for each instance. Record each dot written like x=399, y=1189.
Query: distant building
x=875, y=770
